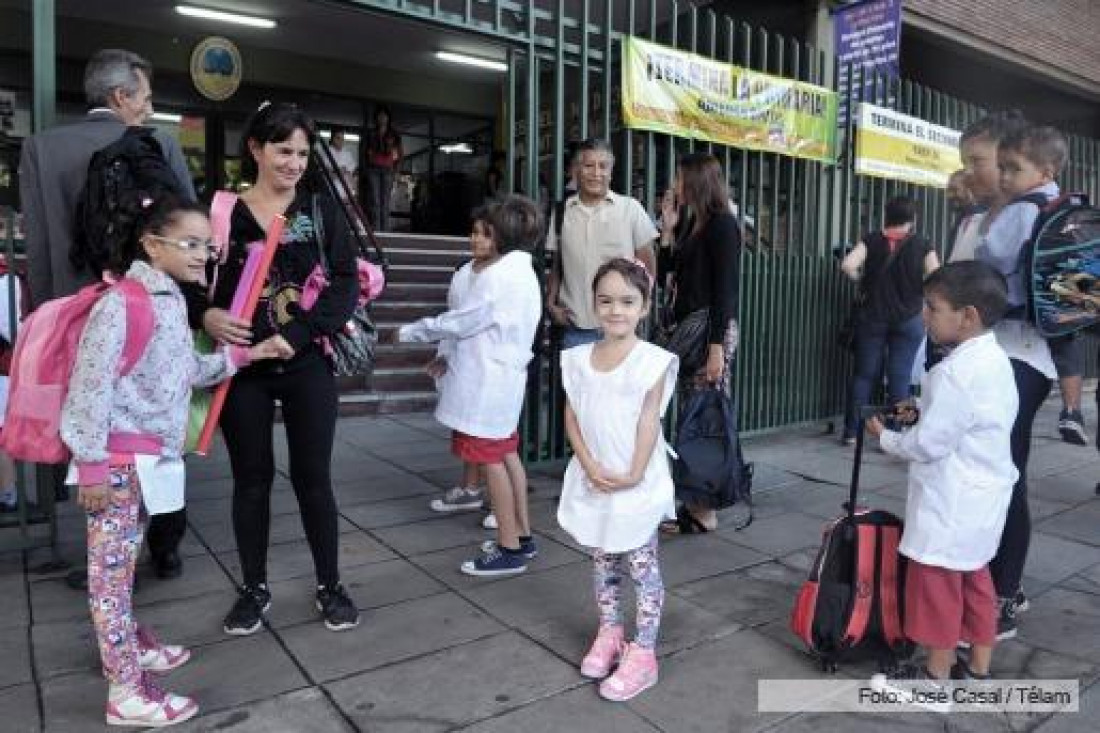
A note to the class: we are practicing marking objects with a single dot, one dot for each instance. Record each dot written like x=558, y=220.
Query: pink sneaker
x=637, y=672
x=148, y=706
x=157, y=657
x=604, y=654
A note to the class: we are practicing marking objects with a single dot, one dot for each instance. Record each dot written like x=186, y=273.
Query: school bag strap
x=139, y=322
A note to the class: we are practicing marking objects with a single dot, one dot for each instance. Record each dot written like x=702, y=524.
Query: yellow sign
x=679, y=93
x=892, y=145
x=216, y=68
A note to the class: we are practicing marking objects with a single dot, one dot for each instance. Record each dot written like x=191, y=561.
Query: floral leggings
x=114, y=540
x=648, y=588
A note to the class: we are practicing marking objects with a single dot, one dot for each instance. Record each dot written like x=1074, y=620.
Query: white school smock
x=607, y=406
x=163, y=482
x=960, y=472
x=490, y=337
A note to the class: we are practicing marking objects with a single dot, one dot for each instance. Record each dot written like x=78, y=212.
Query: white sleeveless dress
x=607, y=405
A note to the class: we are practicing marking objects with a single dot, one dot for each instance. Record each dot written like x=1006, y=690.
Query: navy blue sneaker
x=527, y=548
x=496, y=563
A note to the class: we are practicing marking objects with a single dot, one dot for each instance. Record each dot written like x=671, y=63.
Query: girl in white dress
x=618, y=486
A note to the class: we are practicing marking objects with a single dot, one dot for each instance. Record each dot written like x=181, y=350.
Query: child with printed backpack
x=618, y=488
x=482, y=369
x=1029, y=161
x=126, y=434
x=960, y=479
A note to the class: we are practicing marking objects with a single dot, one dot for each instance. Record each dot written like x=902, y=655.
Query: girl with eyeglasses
x=126, y=433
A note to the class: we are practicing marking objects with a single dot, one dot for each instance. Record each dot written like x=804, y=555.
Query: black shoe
x=336, y=608
x=168, y=565
x=247, y=615
x=961, y=671
x=1006, y=620
x=1021, y=601
x=77, y=580
x=1071, y=424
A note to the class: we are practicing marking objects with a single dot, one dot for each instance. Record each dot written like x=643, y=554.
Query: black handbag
x=689, y=340
x=352, y=348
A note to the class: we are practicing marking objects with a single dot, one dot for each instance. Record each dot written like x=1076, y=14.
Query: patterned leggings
x=648, y=588
x=114, y=540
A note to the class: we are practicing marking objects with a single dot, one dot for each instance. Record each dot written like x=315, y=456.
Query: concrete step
x=391, y=356
x=411, y=274
x=402, y=313
x=432, y=258
x=374, y=403
x=401, y=380
x=404, y=240
x=421, y=292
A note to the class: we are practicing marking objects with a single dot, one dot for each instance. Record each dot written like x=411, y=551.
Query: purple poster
x=868, y=36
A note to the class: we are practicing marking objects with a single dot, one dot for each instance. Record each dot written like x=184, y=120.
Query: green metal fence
x=563, y=83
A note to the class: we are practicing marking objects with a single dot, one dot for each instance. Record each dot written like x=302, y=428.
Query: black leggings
x=1007, y=567
x=307, y=395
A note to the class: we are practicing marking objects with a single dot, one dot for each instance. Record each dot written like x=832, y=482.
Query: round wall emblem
x=216, y=68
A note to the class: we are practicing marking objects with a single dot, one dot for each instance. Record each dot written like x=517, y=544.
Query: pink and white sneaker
x=606, y=651
x=157, y=657
x=148, y=706
x=637, y=672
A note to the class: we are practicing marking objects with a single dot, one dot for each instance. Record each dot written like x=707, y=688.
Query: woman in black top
x=706, y=269
x=890, y=266
x=275, y=154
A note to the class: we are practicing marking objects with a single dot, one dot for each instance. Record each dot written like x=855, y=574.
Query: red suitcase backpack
x=851, y=606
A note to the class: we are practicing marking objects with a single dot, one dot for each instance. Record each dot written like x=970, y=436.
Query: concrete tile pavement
x=439, y=651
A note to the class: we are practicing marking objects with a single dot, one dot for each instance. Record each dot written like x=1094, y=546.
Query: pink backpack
x=45, y=353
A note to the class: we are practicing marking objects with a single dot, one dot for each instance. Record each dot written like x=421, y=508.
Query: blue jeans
x=896, y=344
x=573, y=336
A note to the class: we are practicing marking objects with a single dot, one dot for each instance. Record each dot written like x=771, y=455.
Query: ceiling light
x=460, y=58
x=207, y=13
x=456, y=148
x=350, y=137
x=166, y=117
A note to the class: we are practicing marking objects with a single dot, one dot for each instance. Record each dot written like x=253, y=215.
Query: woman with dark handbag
x=890, y=266
x=703, y=295
x=275, y=154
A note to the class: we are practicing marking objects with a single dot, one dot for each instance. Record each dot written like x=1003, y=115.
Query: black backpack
x=709, y=469
x=120, y=177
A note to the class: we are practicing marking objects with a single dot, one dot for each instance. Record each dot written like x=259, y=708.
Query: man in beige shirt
x=598, y=225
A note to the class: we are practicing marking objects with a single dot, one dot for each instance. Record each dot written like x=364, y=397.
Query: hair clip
x=264, y=105
x=146, y=202
x=648, y=274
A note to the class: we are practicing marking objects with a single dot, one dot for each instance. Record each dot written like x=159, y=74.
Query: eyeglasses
x=187, y=244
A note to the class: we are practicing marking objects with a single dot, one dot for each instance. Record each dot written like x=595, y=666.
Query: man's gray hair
x=110, y=69
x=595, y=144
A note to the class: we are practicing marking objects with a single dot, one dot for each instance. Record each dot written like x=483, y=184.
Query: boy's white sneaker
x=490, y=521
x=148, y=706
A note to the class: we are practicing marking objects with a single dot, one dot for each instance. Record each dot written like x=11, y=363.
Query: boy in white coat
x=482, y=369
x=960, y=476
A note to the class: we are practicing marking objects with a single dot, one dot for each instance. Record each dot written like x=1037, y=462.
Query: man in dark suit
x=52, y=174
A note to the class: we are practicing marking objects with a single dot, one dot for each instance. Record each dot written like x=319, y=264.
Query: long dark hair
x=705, y=190
x=273, y=122
x=154, y=217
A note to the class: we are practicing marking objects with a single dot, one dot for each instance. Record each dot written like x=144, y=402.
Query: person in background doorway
x=597, y=225
x=383, y=161
x=346, y=161
x=495, y=176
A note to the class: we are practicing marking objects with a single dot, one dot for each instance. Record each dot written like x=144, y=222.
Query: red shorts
x=472, y=449
x=944, y=607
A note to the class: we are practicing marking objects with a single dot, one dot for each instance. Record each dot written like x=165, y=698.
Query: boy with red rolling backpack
x=960, y=481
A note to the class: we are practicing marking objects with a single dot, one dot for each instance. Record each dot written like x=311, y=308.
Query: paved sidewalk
x=438, y=651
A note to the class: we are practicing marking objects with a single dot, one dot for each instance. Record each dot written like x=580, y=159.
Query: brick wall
x=1062, y=33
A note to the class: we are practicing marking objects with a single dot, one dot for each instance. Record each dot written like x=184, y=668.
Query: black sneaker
x=247, y=615
x=1006, y=620
x=1021, y=601
x=168, y=565
x=338, y=610
x=912, y=683
x=961, y=671
x=1071, y=424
